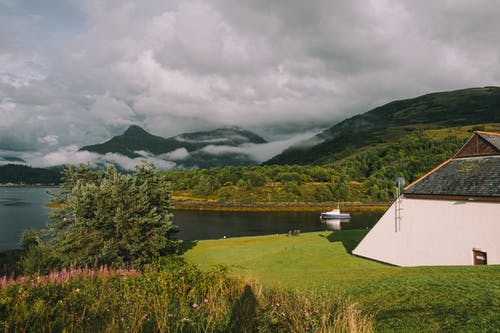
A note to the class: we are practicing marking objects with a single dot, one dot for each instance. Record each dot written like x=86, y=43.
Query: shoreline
x=275, y=206
x=213, y=205
x=268, y=206
x=13, y=185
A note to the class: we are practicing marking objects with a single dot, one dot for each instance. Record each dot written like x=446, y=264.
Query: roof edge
x=465, y=144
x=487, y=133
x=470, y=198
x=428, y=174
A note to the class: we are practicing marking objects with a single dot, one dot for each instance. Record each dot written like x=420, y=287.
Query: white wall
x=435, y=232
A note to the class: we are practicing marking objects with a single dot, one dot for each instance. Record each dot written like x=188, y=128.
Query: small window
x=479, y=257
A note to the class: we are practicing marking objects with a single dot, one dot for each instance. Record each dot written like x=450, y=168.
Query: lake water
x=24, y=208
x=21, y=208
x=212, y=225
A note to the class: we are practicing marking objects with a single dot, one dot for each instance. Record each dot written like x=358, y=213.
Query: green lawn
x=420, y=299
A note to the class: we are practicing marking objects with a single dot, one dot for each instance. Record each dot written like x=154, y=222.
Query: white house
x=450, y=216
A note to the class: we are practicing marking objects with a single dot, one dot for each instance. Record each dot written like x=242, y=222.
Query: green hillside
x=366, y=175
x=387, y=123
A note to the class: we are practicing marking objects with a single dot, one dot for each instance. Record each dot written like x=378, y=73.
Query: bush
x=106, y=218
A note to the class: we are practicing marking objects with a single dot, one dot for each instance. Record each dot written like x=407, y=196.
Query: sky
x=77, y=72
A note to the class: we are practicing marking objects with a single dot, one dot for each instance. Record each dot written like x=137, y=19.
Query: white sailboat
x=335, y=214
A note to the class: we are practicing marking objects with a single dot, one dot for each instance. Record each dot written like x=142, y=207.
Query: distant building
x=450, y=216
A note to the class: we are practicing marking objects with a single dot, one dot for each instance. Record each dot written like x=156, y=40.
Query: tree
x=340, y=187
x=255, y=178
x=112, y=218
x=206, y=185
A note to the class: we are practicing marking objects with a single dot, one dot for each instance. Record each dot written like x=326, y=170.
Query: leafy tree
x=112, y=218
x=340, y=187
x=322, y=193
x=206, y=185
x=293, y=189
x=38, y=256
x=319, y=174
x=255, y=178
x=285, y=177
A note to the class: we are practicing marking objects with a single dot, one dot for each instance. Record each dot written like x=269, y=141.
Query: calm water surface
x=24, y=208
x=21, y=208
x=212, y=225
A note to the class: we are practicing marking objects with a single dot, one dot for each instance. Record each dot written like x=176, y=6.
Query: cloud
x=178, y=154
x=259, y=152
x=83, y=71
x=9, y=157
x=50, y=140
x=64, y=155
x=71, y=155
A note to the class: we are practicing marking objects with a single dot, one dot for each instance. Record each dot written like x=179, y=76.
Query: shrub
x=107, y=218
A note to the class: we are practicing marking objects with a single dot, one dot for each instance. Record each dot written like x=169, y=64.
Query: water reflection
x=334, y=224
x=15, y=204
x=12, y=202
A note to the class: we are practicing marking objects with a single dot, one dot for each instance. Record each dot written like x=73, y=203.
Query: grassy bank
x=420, y=299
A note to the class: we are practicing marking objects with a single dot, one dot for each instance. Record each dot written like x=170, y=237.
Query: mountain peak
x=134, y=130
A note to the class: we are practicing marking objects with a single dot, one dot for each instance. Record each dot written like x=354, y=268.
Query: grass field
x=420, y=299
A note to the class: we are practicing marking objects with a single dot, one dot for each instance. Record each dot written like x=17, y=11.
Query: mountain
x=388, y=123
x=186, y=149
x=132, y=140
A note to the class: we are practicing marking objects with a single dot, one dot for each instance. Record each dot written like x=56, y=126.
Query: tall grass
x=172, y=298
x=66, y=274
x=318, y=311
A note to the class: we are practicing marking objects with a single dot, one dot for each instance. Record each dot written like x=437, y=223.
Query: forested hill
x=388, y=123
x=23, y=174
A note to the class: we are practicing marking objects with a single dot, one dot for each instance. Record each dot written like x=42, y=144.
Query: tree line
x=366, y=176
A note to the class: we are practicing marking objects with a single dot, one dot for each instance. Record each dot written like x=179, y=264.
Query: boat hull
x=341, y=216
